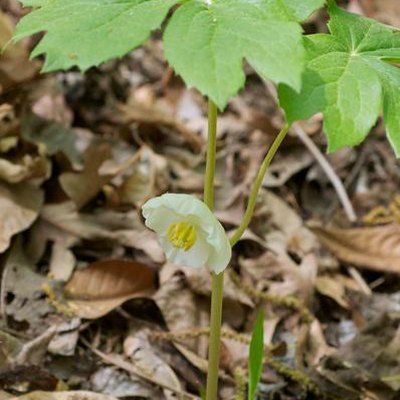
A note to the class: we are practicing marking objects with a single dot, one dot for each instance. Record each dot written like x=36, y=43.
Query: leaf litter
x=90, y=309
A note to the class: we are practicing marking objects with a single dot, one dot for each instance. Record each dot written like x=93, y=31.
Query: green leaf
x=349, y=78
x=86, y=33
x=303, y=9
x=206, y=42
x=35, y=3
x=256, y=355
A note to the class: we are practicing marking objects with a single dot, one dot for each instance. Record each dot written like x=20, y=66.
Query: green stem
x=257, y=185
x=215, y=335
x=217, y=280
x=211, y=155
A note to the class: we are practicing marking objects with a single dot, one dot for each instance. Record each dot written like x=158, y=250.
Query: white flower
x=188, y=231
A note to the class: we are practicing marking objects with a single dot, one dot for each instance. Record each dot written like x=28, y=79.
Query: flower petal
x=195, y=257
x=219, y=257
x=185, y=205
x=159, y=219
x=212, y=247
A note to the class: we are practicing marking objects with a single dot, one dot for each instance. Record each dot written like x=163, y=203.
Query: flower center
x=182, y=235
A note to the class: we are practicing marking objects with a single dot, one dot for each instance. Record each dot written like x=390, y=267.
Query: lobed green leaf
x=350, y=78
x=206, y=42
x=85, y=33
x=303, y=9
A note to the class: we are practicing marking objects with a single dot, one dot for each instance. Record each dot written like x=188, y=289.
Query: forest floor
x=89, y=308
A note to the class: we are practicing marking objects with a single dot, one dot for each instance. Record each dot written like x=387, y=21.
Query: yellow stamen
x=182, y=235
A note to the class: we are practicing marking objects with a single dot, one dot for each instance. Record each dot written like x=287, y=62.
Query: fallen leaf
x=15, y=66
x=289, y=162
x=5, y=395
x=330, y=287
x=28, y=377
x=66, y=338
x=148, y=178
x=284, y=229
x=366, y=362
x=139, y=349
x=137, y=111
x=386, y=11
x=199, y=281
x=62, y=262
x=24, y=286
x=19, y=207
x=104, y=285
x=9, y=349
x=376, y=248
x=114, y=382
x=25, y=168
x=83, y=186
x=123, y=228
x=74, y=395
x=51, y=135
x=311, y=345
x=178, y=306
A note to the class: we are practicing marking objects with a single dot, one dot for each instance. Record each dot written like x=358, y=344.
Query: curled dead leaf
x=333, y=288
x=19, y=207
x=104, y=285
x=75, y=395
x=123, y=228
x=83, y=186
x=15, y=66
x=376, y=248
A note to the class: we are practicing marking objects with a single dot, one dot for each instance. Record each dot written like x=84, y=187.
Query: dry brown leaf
x=25, y=286
x=9, y=349
x=311, y=344
x=331, y=287
x=148, y=178
x=376, y=248
x=115, y=382
x=139, y=349
x=123, y=228
x=26, y=168
x=284, y=228
x=51, y=136
x=386, y=11
x=96, y=290
x=5, y=395
x=74, y=395
x=137, y=111
x=290, y=161
x=177, y=304
x=83, y=186
x=15, y=66
x=19, y=207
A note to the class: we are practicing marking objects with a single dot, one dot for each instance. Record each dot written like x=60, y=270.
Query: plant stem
x=211, y=155
x=257, y=185
x=215, y=335
x=217, y=280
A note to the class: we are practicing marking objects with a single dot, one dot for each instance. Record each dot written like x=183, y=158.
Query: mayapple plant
x=348, y=74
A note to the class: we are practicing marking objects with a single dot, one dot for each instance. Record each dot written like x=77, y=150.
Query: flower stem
x=257, y=185
x=217, y=280
x=211, y=155
x=215, y=335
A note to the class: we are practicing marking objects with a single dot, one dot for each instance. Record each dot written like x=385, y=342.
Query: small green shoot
x=256, y=355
